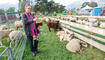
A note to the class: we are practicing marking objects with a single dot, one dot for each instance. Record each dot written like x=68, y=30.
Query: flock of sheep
x=83, y=20
x=74, y=45
x=11, y=33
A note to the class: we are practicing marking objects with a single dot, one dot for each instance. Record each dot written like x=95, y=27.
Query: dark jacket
x=26, y=24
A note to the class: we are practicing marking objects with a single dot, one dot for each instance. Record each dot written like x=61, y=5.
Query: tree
x=2, y=11
x=93, y=4
x=23, y=6
x=85, y=4
x=11, y=9
x=50, y=7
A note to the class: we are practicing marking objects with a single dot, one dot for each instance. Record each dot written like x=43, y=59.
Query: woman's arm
x=25, y=20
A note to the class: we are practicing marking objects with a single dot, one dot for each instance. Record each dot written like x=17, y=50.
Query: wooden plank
x=90, y=41
x=100, y=17
x=87, y=34
x=88, y=28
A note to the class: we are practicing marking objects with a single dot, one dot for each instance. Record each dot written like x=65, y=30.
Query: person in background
x=30, y=29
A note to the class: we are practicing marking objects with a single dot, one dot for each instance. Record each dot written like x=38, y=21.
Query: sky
x=68, y=2
x=5, y=4
x=14, y=3
x=8, y=1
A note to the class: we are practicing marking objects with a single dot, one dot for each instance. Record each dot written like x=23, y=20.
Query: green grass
x=52, y=49
x=102, y=20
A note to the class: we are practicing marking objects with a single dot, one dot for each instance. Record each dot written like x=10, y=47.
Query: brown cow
x=53, y=24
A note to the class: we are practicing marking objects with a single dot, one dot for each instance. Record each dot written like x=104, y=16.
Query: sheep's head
x=84, y=44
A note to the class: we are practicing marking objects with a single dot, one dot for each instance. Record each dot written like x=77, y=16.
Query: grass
x=52, y=49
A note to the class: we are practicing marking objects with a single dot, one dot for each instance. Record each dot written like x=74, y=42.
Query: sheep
x=60, y=32
x=102, y=25
x=47, y=19
x=65, y=36
x=4, y=33
x=75, y=45
x=4, y=27
x=80, y=21
x=69, y=36
x=84, y=44
x=92, y=19
x=94, y=24
x=18, y=24
x=73, y=19
x=15, y=35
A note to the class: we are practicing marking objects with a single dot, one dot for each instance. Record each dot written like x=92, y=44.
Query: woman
x=30, y=29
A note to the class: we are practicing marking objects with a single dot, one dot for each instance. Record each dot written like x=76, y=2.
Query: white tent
x=87, y=8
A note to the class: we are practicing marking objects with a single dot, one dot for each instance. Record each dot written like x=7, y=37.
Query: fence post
x=11, y=54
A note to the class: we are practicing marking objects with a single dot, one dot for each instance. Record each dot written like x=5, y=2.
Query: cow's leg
x=55, y=29
x=49, y=30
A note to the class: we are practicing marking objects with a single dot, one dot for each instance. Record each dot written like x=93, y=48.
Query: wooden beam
x=88, y=28
x=86, y=34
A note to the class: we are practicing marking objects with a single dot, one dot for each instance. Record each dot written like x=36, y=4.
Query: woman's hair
x=27, y=5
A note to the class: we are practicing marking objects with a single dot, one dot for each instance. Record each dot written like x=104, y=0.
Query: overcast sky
x=9, y=1
x=14, y=3
x=68, y=2
x=64, y=2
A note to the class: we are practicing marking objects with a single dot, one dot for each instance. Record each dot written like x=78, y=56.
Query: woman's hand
x=35, y=19
x=34, y=38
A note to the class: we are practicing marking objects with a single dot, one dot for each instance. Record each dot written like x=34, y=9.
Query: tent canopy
x=87, y=8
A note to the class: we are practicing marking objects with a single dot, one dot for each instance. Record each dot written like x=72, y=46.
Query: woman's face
x=28, y=9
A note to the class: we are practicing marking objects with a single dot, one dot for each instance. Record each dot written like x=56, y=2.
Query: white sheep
x=60, y=32
x=73, y=45
x=73, y=19
x=4, y=27
x=18, y=24
x=4, y=33
x=94, y=24
x=92, y=19
x=102, y=25
x=15, y=35
x=47, y=19
x=65, y=36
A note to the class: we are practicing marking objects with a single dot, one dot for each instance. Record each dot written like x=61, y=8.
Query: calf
x=54, y=24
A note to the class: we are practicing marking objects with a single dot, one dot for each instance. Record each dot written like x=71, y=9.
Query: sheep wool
x=4, y=27
x=102, y=25
x=18, y=24
x=73, y=45
x=3, y=34
x=15, y=35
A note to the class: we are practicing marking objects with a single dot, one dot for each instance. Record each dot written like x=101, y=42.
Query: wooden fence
x=92, y=35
